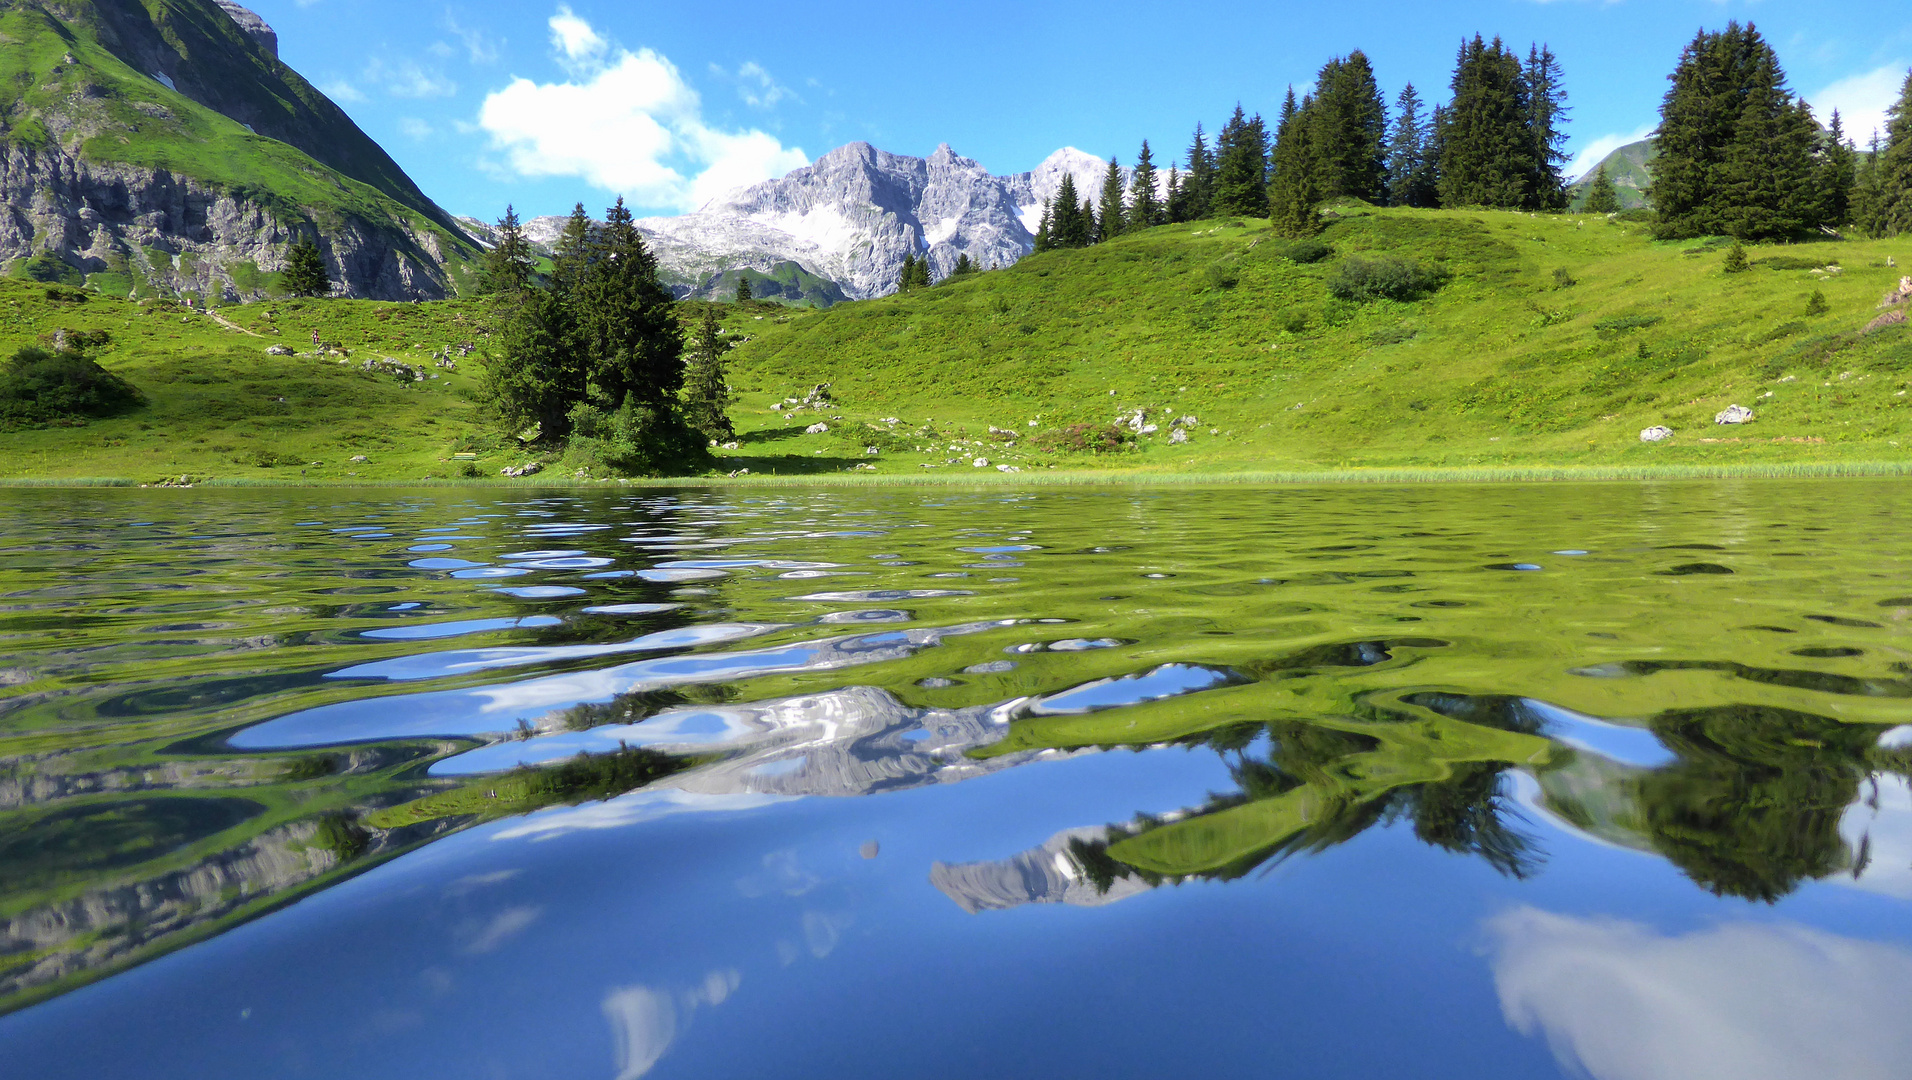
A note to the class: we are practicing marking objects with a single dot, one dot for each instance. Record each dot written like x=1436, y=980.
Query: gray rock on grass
x=1657, y=433
x=1734, y=414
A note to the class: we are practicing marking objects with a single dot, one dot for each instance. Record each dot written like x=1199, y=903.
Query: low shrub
x=1620, y=324
x=1084, y=439
x=1303, y=252
x=1794, y=262
x=1360, y=279
x=1225, y=274
x=635, y=440
x=41, y=385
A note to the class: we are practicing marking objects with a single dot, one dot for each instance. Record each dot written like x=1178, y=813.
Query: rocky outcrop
x=253, y=26
x=855, y=215
x=151, y=231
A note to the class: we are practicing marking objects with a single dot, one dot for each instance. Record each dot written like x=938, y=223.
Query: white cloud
x=580, y=47
x=1862, y=101
x=340, y=90
x=414, y=128
x=757, y=88
x=406, y=79
x=1745, y=1001
x=626, y=123
x=479, y=45
x=1592, y=154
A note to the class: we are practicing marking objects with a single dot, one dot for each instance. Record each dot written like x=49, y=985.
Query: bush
x=51, y=269
x=1303, y=252
x=1794, y=262
x=1735, y=261
x=636, y=440
x=1816, y=303
x=1223, y=275
x=1562, y=279
x=1360, y=280
x=41, y=385
x=1620, y=324
x=1083, y=439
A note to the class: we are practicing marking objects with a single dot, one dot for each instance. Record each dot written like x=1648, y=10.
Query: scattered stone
x=870, y=451
x=530, y=468
x=1008, y=468
x=863, y=466
x=733, y=446
x=1899, y=295
x=778, y=407
x=1148, y=429
x=1890, y=318
x=1734, y=414
x=981, y=463
x=1186, y=421
x=739, y=472
x=816, y=429
x=1177, y=437
x=1657, y=433
x=279, y=350
x=360, y=459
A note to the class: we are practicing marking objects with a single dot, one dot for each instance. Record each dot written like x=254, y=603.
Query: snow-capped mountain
x=853, y=217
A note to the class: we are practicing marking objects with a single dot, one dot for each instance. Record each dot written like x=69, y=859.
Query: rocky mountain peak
x=254, y=26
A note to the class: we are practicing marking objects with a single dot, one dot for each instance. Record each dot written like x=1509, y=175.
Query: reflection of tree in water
x=1752, y=807
x=1335, y=784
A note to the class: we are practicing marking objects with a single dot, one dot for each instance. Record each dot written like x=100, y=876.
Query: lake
x=1602, y=780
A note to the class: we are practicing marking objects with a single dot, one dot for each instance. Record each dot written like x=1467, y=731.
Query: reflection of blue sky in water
x=1740, y=1001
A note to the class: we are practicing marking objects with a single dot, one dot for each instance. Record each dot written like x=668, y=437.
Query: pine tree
x=706, y=390
x=1293, y=195
x=572, y=257
x=1145, y=206
x=1350, y=127
x=1546, y=116
x=964, y=267
x=1198, y=182
x=1070, y=226
x=534, y=373
x=1601, y=198
x=906, y=280
x=920, y=272
x=1868, y=199
x=1488, y=155
x=627, y=319
x=1735, y=148
x=509, y=265
x=1427, y=179
x=305, y=271
x=744, y=293
x=1894, y=214
x=1175, y=207
x=1241, y=168
x=1111, y=218
x=1834, y=174
x=1046, y=230
x=1407, y=149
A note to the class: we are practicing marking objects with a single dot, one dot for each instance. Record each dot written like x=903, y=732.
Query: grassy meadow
x=1553, y=343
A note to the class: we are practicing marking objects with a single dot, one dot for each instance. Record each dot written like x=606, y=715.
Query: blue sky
x=544, y=105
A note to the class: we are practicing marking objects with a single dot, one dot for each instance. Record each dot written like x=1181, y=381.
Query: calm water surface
x=1585, y=780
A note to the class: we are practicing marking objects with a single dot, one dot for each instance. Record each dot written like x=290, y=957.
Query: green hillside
x=1631, y=170
x=1554, y=341
x=85, y=81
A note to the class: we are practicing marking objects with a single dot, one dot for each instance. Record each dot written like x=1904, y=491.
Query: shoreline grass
x=1483, y=474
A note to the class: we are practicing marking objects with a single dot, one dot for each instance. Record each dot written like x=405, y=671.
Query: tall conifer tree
x=627, y=319
x=1894, y=214
x=1867, y=198
x=1835, y=173
x=1111, y=219
x=1145, y=205
x=509, y=264
x=1350, y=121
x=706, y=384
x=1407, y=148
x=1546, y=117
x=1735, y=148
x=1241, y=167
x=1198, y=182
x=305, y=271
x=1488, y=155
x=1601, y=198
x=1293, y=195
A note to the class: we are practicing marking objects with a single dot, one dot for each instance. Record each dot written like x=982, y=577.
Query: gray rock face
x=854, y=216
x=181, y=235
x=253, y=25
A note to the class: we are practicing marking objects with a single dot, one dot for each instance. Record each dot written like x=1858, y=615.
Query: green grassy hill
x=1631, y=170
x=1508, y=364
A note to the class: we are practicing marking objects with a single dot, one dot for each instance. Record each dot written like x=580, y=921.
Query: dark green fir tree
x=1241, y=167
x=1111, y=217
x=1198, y=180
x=1835, y=172
x=305, y=271
x=1145, y=204
x=1488, y=151
x=1293, y=195
x=706, y=387
x=509, y=265
x=627, y=319
x=906, y=280
x=1350, y=131
x=1407, y=150
x=1601, y=198
x=1546, y=121
x=744, y=293
x=1894, y=215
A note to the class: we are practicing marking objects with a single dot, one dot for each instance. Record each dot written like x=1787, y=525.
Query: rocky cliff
x=852, y=218
x=163, y=148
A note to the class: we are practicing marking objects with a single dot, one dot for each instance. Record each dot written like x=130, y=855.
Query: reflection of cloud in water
x=503, y=926
x=647, y=804
x=1884, y=833
x=645, y=1021
x=1743, y=1001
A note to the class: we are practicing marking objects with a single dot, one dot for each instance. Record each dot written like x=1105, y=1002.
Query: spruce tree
x=1071, y=225
x=1175, y=206
x=921, y=279
x=1735, y=148
x=1198, y=182
x=305, y=271
x=509, y=265
x=744, y=293
x=964, y=267
x=706, y=389
x=1894, y=214
x=1111, y=219
x=1867, y=198
x=1293, y=195
x=906, y=280
x=1045, y=229
x=572, y=257
x=1834, y=174
x=1145, y=206
x=1546, y=116
x=626, y=319
x=1427, y=179
x=1601, y=198
x=1488, y=155
x=1407, y=148
x=1350, y=128
x=534, y=374
x=1241, y=168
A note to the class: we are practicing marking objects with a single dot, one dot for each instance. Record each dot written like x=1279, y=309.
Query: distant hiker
x=315, y=339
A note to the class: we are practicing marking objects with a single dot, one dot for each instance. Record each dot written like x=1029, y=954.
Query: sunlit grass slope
x=1505, y=365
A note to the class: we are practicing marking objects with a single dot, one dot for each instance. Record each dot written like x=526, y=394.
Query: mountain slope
x=853, y=216
x=1631, y=170
x=161, y=146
